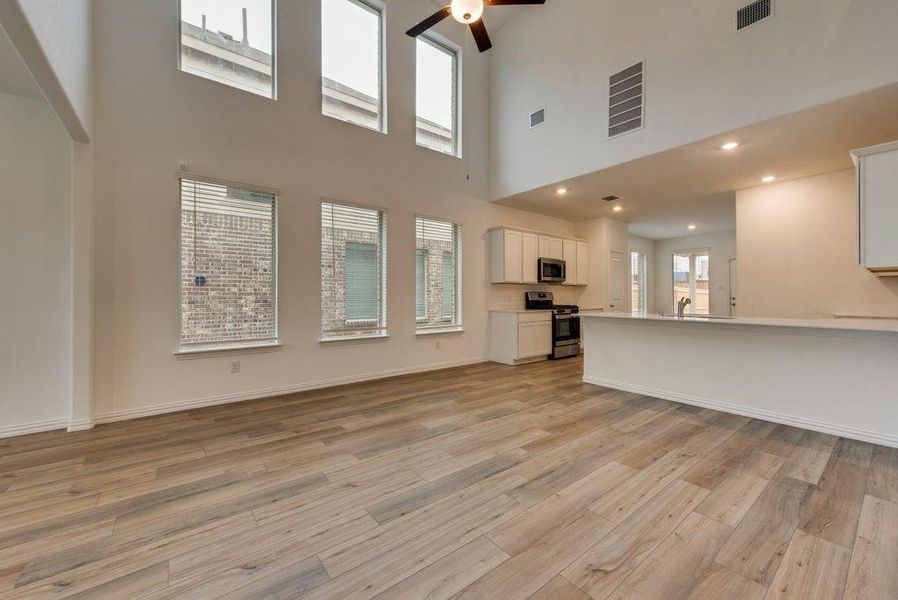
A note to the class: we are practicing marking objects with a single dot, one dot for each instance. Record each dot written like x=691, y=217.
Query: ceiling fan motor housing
x=467, y=11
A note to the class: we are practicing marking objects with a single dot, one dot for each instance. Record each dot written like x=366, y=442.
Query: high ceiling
x=14, y=76
x=658, y=188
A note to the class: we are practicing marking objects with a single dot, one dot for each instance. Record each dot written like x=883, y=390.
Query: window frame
x=423, y=253
x=225, y=347
x=692, y=254
x=440, y=43
x=456, y=321
x=379, y=332
x=641, y=259
x=274, y=56
x=380, y=8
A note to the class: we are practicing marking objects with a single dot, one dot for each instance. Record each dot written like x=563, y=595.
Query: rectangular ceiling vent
x=754, y=12
x=537, y=118
x=626, y=100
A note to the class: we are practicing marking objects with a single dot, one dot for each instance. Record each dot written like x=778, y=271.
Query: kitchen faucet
x=681, y=306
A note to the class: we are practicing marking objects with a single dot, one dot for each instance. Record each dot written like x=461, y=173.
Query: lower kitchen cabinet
x=518, y=337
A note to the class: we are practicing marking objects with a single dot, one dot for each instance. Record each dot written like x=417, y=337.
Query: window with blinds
x=438, y=274
x=639, y=288
x=353, y=271
x=228, y=266
x=436, y=92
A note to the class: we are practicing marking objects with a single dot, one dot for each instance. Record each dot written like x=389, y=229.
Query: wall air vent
x=537, y=118
x=626, y=100
x=754, y=12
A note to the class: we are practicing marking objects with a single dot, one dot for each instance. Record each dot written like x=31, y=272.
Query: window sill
x=225, y=350
x=352, y=338
x=440, y=331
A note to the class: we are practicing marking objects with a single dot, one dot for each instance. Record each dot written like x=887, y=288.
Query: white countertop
x=886, y=325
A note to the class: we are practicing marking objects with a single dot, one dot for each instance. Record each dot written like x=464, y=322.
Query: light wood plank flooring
x=480, y=482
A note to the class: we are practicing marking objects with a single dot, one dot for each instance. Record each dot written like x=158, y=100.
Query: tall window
x=353, y=271
x=230, y=41
x=437, y=96
x=352, y=62
x=692, y=279
x=438, y=274
x=228, y=266
x=639, y=288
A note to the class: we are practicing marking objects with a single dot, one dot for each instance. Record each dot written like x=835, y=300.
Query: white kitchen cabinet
x=582, y=263
x=520, y=336
x=877, y=178
x=506, y=246
x=569, y=254
x=529, y=257
x=551, y=247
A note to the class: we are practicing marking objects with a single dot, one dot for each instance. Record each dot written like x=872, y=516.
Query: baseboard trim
x=136, y=413
x=37, y=427
x=755, y=413
x=81, y=425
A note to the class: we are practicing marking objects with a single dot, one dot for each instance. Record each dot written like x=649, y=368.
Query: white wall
x=721, y=246
x=647, y=247
x=604, y=235
x=702, y=77
x=798, y=252
x=35, y=260
x=151, y=117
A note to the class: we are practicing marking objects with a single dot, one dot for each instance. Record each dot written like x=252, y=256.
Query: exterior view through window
x=228, y=266
x=353, y=271
x=352, y=62
x=638, y=283
x=436, y=89
x=691, y=279
x=437, y=274
x=230, y=41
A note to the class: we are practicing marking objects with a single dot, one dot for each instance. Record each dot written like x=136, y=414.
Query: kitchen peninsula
x=838, y=376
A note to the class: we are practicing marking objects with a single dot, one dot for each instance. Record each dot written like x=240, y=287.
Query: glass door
x=692, y=279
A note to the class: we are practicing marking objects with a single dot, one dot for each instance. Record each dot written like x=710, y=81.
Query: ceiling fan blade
x=481, y=36
x=513, y=2
x=429, y=22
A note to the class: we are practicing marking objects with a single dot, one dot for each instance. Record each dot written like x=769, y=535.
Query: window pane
x=421, y=284
x=227, y=266
x=691, y=279
x=436, y=97
x=351, y=62
x=229, y=41
x=639, y=282
x=437, y=278
x=353, y=264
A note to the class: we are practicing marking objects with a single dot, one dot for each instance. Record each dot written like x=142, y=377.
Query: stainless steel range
x=565, y=323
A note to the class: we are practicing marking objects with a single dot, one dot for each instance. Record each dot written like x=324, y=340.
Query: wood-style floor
x=481, y=482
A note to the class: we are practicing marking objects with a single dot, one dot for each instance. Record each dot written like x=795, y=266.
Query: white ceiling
x=15, y=78
x=709, y=214
x=810, y=142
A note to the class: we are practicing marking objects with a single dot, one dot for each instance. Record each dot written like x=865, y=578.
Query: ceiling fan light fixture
x=467, y=11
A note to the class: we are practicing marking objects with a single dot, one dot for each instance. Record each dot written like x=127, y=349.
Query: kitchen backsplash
x=511, y=297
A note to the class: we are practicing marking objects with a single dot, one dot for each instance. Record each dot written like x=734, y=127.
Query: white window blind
x=228, y=265
x=438, y=280
x=639, y=282
x=352, y=62
x=436, y=93
x=353, y=271
x=230, y=42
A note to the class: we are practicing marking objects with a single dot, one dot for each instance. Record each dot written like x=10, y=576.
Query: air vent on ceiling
x=754, y=12
x=537, y=118
x=626, y=100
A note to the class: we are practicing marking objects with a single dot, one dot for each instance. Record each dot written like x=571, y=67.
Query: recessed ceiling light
x=730, y=146
x=618, y=208
x=561, y=191
x=769, y=178
x=692, y=227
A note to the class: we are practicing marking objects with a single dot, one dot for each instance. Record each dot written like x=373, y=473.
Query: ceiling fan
x=470, y=13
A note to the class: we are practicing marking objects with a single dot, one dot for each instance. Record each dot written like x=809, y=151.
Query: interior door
x=733, y=288
x=619, y=275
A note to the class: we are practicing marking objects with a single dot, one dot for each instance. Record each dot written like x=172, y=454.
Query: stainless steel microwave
x=552, y=270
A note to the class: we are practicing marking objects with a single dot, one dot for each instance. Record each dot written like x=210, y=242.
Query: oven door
x=566, y=330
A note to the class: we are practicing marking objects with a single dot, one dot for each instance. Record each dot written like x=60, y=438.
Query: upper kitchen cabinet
x=551, y=247
x=515, y=254
x=877, y=176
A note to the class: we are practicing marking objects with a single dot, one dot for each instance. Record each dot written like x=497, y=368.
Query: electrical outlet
x=235, y=366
